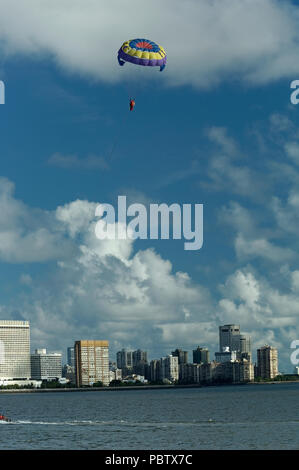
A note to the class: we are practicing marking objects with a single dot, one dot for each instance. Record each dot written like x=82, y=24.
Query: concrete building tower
x=181, y=355
x=45, y=366
x=92, y=362
x=229, y=337
x=15, y=350
x=201, y=355
x=267, y=362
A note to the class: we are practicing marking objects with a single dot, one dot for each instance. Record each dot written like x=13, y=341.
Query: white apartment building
x=14, y=350
x=46, y=366
x=170, y=368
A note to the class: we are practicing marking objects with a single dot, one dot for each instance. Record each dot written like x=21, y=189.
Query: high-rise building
x=92, y=362
x=154, y=370
x=201, y=355
x=181, y=355
x=226, y=356
x=15, y=350
x=267, y=362
x=244, y=347
x=170, y=368
x=45, y=366
x=139, y=362
x=124, y=359
x=245, y=371
x=139, y=356
x=71, y=356
x=207, y=372
x=190, y=373
x=229, y=337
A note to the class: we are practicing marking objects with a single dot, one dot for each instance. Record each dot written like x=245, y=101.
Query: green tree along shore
x=55, y=384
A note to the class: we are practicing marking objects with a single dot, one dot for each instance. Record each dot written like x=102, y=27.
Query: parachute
x=142, y=52
x=139, y=52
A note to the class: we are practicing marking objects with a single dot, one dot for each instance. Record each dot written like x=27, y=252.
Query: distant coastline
x=136, y=387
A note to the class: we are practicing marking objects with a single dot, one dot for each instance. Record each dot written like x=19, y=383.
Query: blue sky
x=216, y=127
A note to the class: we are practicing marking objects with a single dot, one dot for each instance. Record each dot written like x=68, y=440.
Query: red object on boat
x=3, y=418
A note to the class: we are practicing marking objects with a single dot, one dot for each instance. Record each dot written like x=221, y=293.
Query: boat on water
x=4, y=418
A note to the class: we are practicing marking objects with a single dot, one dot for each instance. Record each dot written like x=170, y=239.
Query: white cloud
x=280, y=123
x=103, y=289
x=126, y=299
x=239, y=218
x=227, y=170
x=255, y=304
x=268, y=315
x=206, y=41
x=286, y=215
x=292, y=150
x=98, y=288
x=247, y=248
x=28, y=235
x=219, y=136
x=186, y=334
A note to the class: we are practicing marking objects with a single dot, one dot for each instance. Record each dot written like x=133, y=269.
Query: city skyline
x=230, y=341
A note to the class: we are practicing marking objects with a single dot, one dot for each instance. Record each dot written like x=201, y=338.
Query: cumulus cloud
x=286, y=214
x=227, y=169
x=292, y=151
x=111, y=293
x=98, y=288
x=269, y=315
x=255, y=302
x=238, y=217
x=206, y=41
x=26, y=234
x=106, y=289
x=251, y=248
x=219, y=136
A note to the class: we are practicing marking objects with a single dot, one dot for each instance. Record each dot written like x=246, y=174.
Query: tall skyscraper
x=170, y=368
x=15, y=350
x=201, y=355
x=140, y=362
x=267, y=362
x=155, y=370
x=45, y=366
x=181, y=355
x=71, y=356
x=92, y=362
x=124, y=359
x=244, y=351
x=139, y=356
x=229, y=337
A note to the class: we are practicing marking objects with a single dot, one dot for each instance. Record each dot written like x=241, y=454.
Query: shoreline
x=135, y=387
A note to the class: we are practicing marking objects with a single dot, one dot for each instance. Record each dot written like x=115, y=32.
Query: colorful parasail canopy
x=142, y=52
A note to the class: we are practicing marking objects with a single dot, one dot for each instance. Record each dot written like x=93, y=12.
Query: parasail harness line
x=120, y=127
